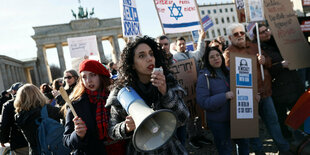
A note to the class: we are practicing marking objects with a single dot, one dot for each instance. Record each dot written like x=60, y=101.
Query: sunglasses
x=68, y=77
x=241, y=33
x=262, y=32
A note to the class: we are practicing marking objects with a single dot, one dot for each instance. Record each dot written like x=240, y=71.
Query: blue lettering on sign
x=127, y=2
x=242, y=97
x=130, y=14
x=131, y=28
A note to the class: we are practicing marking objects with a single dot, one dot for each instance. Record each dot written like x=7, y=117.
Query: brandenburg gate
x=52, y=36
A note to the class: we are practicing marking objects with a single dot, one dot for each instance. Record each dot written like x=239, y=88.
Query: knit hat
x=93, y=66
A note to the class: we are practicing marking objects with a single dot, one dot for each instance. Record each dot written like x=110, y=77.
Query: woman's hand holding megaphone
x=129, y=124
x=158, y=79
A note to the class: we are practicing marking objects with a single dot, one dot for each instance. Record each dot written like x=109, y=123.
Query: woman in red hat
x=88, y=133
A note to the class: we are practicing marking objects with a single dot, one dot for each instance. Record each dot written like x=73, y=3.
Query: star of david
x=179, y=14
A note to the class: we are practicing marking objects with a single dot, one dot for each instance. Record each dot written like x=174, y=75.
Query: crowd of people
x=102, y=125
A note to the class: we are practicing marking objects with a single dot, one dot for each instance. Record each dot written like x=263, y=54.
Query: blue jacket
x=211, y=96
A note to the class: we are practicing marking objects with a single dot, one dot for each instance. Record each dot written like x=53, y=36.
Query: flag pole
x=259, y=49
x=199, y=15
x=159, y=18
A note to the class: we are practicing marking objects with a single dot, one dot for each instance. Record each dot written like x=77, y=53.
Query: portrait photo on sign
x=244, y=72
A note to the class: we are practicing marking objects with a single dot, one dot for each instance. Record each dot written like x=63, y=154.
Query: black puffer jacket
x=9, y=132
x=26, y=120
x=286, y=84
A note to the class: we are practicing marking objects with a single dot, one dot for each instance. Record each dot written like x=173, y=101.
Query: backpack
x=50, y=134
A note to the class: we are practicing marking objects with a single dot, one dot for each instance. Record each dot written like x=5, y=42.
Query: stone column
x=22, y=74
x=36, y=75
x=4, y=74
x=9, y=75
x=13, y=73
x=61, y=57
x=116, y=51
x=103, y=59
x=43, y=68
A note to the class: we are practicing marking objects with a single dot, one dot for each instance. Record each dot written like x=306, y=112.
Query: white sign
x=244, y=103
x=244, y=72
x=83, y=46
x=178, y=15
x=130, y=20
x=256, y=10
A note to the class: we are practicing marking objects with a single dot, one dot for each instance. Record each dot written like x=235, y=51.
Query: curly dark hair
x=127, y=75
x=207, y=64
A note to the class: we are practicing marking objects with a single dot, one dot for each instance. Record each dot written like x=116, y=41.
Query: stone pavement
x=268, y=145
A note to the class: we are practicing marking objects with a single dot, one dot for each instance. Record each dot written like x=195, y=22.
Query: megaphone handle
x=64, y=95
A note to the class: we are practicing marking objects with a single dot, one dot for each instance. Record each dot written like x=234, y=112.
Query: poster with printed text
x=255, y=10
x=243, y=72
x=178, y=16
x=130, y=20
x=244, y=108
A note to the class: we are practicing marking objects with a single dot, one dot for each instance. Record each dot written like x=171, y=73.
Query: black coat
x=26, y=121
x=9, y=132
x=90, y=145
x=286, y=84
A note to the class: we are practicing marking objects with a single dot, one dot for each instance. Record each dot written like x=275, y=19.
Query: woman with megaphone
x=86, y=128
x=148, y=85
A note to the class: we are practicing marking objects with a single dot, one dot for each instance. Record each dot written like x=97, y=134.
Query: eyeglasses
x=68, y=77
x=241, y=33
x=262, y=32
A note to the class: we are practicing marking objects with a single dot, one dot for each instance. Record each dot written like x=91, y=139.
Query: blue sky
x=18, y=17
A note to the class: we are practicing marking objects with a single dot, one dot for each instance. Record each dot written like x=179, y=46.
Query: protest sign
x=195, y=36
x=190, y=46
x=254, y=10
x=80, y=47
x=306, y=2
x=243, y=72
x=243, y=106
x=178, y=15
x=206, y=22
x=130, y=20
x=83, y=46
x=185, y=73
x=287, y=33
x=240, y=10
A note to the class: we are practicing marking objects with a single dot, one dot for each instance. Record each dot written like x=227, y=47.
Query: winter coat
x=26, y=121
x=264, y=87
x=9, y=132
x=172, y=100
x=91, y=144
x=211, y=96
x=286, y=84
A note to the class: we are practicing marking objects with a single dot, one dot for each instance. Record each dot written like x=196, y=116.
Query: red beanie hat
x=93, y=66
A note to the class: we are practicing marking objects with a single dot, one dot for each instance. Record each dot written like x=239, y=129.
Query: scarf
x=102, y=119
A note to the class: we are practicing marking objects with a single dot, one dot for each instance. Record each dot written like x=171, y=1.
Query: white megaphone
x=153, y=128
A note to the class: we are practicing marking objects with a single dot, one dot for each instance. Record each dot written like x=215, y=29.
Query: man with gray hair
x=241, y=44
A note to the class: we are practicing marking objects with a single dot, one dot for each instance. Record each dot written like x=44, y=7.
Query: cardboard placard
x=185, y=73
x=243, y=107
x=287, y=33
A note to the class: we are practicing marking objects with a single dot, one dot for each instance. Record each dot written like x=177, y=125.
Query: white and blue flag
x=178, y=15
